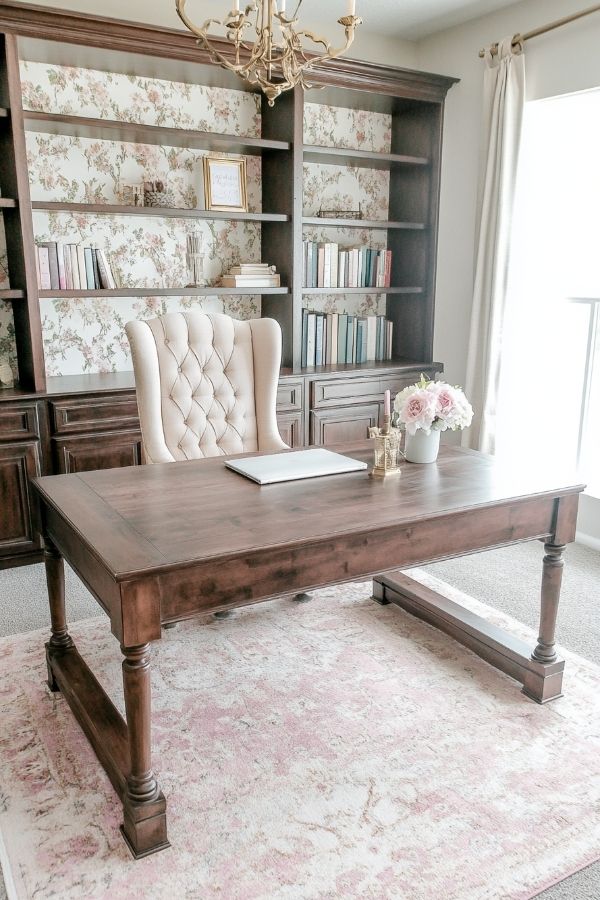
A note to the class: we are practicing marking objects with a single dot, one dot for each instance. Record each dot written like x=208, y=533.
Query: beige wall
x=559, y=62
x=374, y=48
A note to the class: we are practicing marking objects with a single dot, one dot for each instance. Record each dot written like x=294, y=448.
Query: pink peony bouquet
x=432, y=405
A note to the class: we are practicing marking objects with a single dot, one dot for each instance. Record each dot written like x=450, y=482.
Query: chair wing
x=206, y=385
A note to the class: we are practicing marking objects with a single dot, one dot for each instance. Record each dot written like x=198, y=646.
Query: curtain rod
x=519, y=38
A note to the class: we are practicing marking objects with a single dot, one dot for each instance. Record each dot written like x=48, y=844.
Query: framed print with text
x=225, y=184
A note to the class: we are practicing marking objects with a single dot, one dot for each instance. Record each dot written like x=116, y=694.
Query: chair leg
x=302, y=597
x=223, y=614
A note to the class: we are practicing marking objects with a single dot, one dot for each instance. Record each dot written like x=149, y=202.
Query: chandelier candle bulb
x=386, y=404
x=351, y=7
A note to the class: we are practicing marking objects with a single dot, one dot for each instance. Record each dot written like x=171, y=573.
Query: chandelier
x=277, y=59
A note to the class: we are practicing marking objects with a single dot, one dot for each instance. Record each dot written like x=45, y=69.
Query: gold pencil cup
x=386, y=451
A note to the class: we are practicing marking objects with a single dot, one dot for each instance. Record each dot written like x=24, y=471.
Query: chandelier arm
x=274, y=65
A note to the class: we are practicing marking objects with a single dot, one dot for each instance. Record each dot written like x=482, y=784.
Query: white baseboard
x=587, y=540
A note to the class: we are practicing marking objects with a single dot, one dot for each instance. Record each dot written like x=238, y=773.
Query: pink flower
x=418, y=411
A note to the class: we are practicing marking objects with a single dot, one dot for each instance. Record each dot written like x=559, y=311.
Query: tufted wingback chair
x=206, y=385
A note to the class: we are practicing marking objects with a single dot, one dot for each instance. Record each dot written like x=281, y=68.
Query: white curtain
x=504, y=100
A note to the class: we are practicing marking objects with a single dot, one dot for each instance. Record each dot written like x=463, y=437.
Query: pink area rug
x=337, y=749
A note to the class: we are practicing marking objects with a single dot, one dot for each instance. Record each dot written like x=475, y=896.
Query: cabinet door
x=18, y=522
x=97, y=451
x=349, y=423
x=290, y=428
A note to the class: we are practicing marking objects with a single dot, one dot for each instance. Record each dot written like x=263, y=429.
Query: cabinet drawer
x=289, y=395
x=78, y=414
x=344, y=391
x=349, y=423
x=19, y=421
x=18, y=522
x=97, y=451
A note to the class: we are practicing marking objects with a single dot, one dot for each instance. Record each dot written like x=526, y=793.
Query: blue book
x=304, y=338
x=350, y=339
x=342, y=331
x=310, y=342
x=319, y=340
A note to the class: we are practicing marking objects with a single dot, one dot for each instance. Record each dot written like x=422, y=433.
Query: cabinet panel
x=291, y=428
x=97, y=451
x=18, y=421
x=18, y=522
x=350, y=423
x=79, y=414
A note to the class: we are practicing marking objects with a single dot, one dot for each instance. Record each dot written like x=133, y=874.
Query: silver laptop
x=292, y=466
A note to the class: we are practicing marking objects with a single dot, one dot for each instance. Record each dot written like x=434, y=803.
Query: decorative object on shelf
x=195, y=260
x=340, y=213
x=278, y=59
x=157, y=194
x=387, y=445
x=225, y=183
x=251, y=275
x=7, y=378
x=425, y=409
x=131, y=193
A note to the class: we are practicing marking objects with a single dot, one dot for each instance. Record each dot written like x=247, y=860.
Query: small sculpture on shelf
x=157, y=194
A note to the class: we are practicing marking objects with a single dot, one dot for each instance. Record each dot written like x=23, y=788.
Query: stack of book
x=251, y=275
x=328, y=265
x=333, y=338
x=72, y=267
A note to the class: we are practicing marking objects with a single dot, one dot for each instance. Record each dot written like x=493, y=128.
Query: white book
x=74, y=267
x=327, y=266
x=83, y=281
x=371, y=336
x=333, y=275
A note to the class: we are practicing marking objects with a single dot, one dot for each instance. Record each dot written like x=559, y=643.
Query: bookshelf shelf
x=373, y=224
x=110, y=209
x=8, y=294
x=360, y=158
x=362, y=290
x=107, y=129
x=7, y=203
x=164, y=292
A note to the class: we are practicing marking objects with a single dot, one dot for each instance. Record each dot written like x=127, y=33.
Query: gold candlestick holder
x=387, y=449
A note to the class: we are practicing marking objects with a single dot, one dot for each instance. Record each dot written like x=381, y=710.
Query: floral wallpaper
x=86, y=334
x=337, y=126
x=130, y=98
x=346, y=187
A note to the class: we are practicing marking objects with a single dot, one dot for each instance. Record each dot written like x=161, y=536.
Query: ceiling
x=407, y=19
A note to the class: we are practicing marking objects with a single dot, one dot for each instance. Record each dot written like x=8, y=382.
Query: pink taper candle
x=386, y=404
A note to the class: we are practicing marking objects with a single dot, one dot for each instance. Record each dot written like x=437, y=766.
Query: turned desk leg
x=60, y=639
x=548, y=687
x=144, y=806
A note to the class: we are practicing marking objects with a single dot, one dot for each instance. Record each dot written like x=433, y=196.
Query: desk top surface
x=140, y=519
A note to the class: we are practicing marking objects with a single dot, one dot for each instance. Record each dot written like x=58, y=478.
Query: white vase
x=421, y=447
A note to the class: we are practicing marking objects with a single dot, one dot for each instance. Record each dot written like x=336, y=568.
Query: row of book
x=327, y=264
x=332, y=338
x=251, y=275
x=72, y=267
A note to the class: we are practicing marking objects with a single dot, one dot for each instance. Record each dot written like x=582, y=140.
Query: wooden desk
x=159, y=544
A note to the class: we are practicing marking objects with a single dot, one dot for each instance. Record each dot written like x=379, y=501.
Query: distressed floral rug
x=337, y=749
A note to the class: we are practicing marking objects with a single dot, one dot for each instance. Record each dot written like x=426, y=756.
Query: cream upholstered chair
x=206, y=385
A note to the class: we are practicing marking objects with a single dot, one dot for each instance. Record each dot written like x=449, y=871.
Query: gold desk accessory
x=387, y=449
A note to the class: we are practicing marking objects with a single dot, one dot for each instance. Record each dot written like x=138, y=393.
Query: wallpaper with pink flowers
x=86, y=334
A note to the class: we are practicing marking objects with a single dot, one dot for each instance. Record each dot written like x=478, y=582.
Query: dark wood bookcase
x=72, y=423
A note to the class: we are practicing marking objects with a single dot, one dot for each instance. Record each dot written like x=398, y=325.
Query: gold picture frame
x=225, y=185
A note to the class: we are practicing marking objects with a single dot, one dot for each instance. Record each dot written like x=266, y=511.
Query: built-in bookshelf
x=410, y=162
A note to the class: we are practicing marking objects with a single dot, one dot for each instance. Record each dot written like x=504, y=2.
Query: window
x=549, y=396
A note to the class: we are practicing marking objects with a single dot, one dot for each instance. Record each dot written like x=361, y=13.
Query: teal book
x=350, y=339
x=342, y=331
